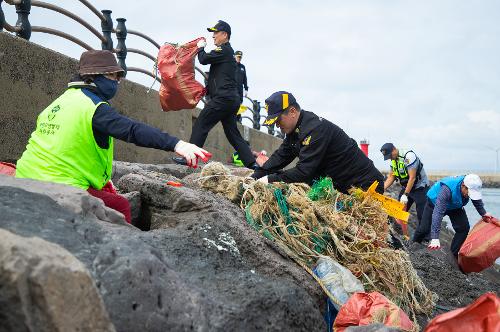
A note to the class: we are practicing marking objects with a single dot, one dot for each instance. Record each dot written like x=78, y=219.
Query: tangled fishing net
x=309, y=222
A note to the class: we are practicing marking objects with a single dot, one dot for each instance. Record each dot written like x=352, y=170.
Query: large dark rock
x=45, y=288
x=208, y=271
x=73, y=199
x=121, y=168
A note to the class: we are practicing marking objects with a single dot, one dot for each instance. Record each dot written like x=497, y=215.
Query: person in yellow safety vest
x=408, y=169
x=73, y=140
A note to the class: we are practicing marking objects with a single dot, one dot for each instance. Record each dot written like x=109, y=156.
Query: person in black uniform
x=224, y=101
x=241, y=75
x=323, y=149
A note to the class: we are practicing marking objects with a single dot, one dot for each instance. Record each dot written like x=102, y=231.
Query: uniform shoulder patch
x=218, y=49
x=306, y=140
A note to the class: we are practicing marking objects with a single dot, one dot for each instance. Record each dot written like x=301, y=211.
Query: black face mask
x=106, y=86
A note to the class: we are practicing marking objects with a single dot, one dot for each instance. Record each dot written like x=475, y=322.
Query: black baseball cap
x=238, y=53
x=221, y=26
x=276, y=104
x=386, y=150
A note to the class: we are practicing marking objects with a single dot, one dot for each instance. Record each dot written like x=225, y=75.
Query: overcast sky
x=422, y=74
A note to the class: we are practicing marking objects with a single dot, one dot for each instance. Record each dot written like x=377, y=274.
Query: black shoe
x=180, y=160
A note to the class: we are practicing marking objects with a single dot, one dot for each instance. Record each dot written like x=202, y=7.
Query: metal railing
x=24, y=29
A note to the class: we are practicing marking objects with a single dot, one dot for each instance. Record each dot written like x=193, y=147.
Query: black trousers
x=459, y=222
x=223, y=110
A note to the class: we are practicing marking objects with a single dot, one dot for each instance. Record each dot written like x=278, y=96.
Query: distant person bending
x=224, y=101
x=323, y=149
x=73, y=140
x=448, y=196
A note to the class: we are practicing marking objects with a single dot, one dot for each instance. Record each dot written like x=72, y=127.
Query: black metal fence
x=24, y=29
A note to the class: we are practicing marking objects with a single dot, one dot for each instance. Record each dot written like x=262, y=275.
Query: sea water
x=491, y=200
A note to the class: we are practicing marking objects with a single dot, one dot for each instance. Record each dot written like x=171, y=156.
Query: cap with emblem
x=221, y=26
x=386, y=150
x=238, y=53
x=276, y=104
x=97, y=62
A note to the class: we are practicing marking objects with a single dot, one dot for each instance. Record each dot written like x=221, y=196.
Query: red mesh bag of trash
x=482, y=246
x=179, y=89
x=482, y=315
x=369, y=308
x=7, y=169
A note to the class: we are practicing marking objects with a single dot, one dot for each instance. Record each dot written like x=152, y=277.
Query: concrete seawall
x=489, y=180
x=32, y=76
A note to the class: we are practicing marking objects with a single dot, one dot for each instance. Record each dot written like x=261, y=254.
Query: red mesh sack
x=7, y=169
x=483, y=315
x=179, y=89
x=368, y=308
x=482, y=246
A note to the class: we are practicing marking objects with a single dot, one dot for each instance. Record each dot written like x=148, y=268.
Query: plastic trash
x=364, y=309
x=338, y=280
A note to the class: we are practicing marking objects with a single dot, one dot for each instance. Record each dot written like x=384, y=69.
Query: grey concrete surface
x=31, y=76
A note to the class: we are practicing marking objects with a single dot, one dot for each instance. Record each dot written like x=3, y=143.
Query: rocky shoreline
x=196, y=265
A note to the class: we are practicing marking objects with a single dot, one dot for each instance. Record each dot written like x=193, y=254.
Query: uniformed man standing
x=323, y=149
x=241, y=76
x=224, y=101
x=408, y=169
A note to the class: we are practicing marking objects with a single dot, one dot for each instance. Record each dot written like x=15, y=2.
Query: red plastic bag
x=483, y=315
x=179, y=89
x=7, y=169
x=481, y=248
x=368, y=308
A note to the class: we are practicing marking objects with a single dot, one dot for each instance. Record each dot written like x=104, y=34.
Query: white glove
x=201, y=43
x=246, y=93
x=263, y=179
x=434, y=244
x=404, y=199
x=191, y=152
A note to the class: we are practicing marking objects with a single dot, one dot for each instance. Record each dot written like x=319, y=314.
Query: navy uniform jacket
x=221, y=78
x=241, y=79
x=323, y=149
